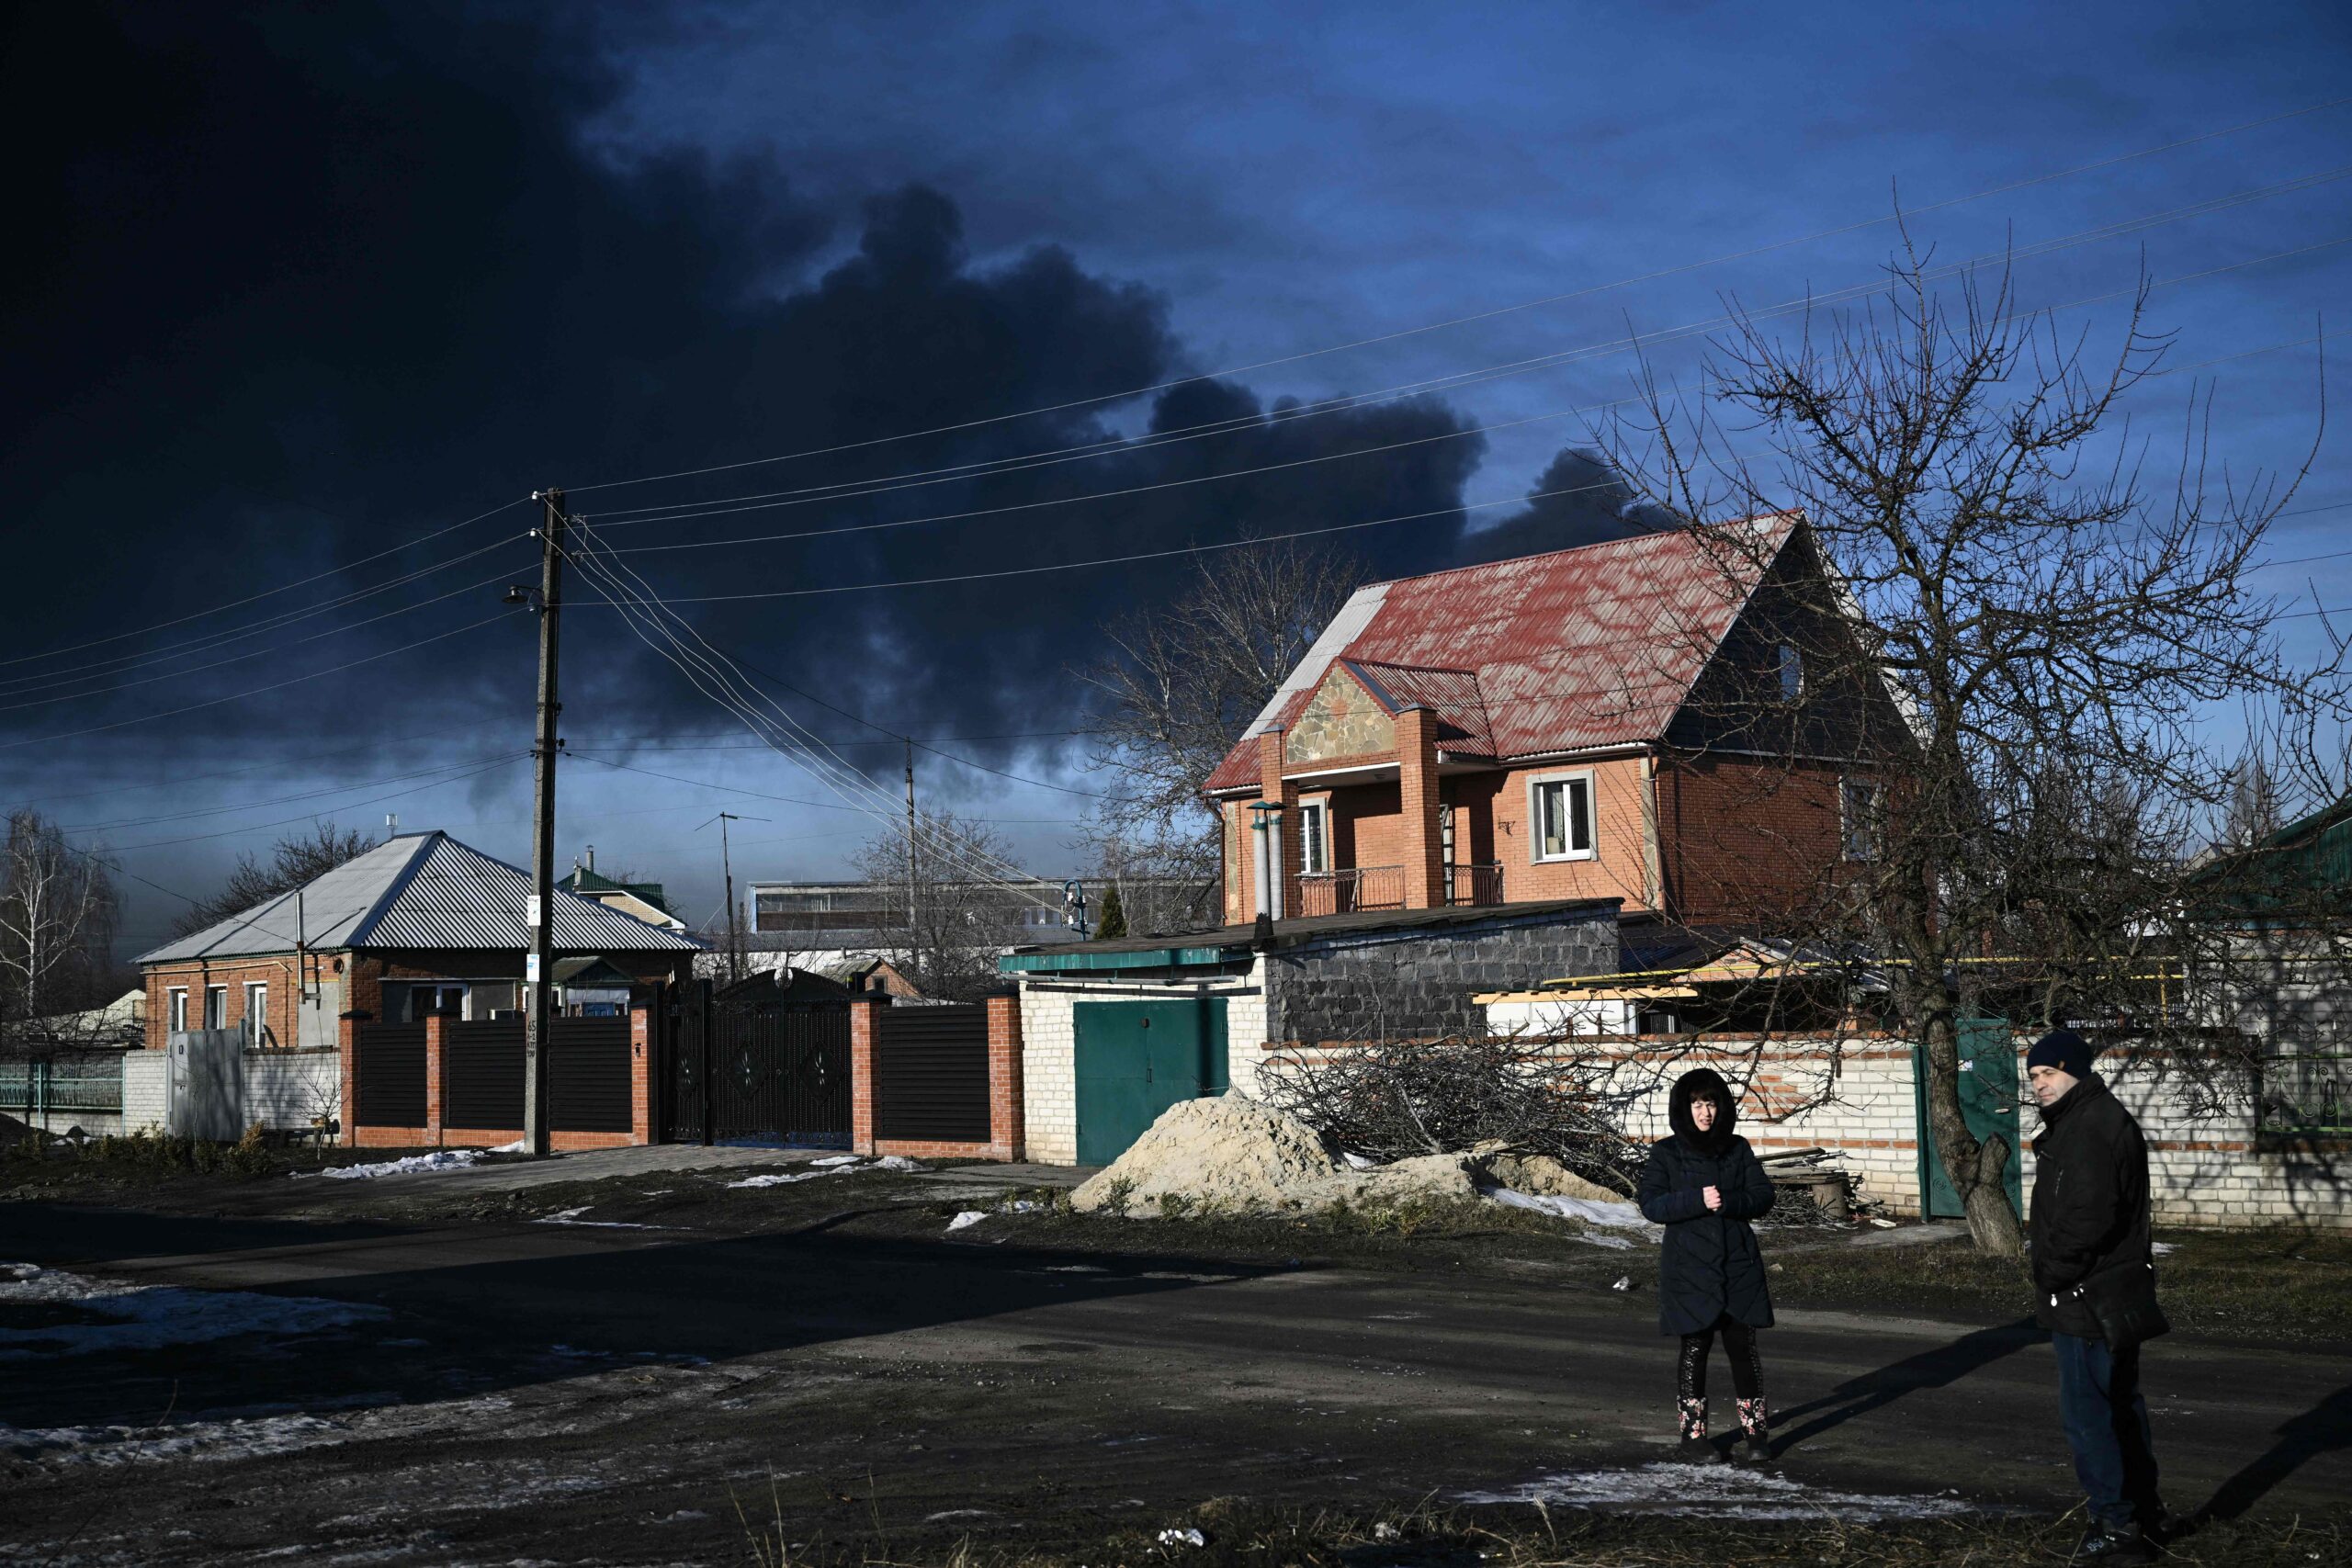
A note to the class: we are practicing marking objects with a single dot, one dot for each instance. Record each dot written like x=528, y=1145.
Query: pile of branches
x=1388, y=1101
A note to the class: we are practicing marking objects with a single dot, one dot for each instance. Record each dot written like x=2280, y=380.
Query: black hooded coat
x=1710, y=1265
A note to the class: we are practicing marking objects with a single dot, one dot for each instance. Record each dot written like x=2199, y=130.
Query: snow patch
x=572, y=1217
x=190, y=1439
x=968, y=1217
x=1712, y=1492
x=145, y=1317
x=831, y=1165
x=414, y=1165
x=1591, y=1211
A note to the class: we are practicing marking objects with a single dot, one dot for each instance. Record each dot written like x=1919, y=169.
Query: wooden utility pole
x=538, y=1018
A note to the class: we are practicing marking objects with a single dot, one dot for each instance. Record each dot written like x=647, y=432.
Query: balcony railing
x=1347, y=892
x=1481, y=883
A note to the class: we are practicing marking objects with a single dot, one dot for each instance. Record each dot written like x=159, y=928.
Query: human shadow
x=2324, y=1427
x=1939, y=1367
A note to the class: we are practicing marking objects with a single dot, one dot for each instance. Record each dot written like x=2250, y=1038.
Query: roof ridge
x=1684, y=530
x=396, y=886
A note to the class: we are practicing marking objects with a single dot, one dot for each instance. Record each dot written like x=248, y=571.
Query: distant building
x=645, y=900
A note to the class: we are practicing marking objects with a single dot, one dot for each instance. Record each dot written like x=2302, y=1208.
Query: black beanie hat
x=2063, y=1049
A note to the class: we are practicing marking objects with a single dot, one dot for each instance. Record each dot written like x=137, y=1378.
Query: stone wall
x=1420, y=982
x=144, y=1074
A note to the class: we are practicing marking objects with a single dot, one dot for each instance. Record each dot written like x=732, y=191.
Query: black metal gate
x=588, y=1075
x=481, y=1075
x=736, y=1071
x=931, y=1074
x=388, y=1062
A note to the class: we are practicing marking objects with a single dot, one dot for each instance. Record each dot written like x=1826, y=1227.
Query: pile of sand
x=1233, y=1153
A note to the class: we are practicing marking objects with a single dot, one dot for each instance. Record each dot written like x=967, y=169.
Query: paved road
x=545, y=1385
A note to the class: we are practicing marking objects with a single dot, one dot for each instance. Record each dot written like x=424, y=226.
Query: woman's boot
x=1695, y=1449
x=1755, y=1447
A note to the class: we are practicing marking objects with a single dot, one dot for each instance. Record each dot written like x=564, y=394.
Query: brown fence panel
x=931, y=1074
x=588, y=1076
x=388, y=1068
x=482, y=1071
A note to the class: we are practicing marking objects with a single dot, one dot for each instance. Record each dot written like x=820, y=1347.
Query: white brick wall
x=286, y=1089
x=143, y=1090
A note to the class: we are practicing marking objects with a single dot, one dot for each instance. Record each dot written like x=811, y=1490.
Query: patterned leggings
x=1746, y=1377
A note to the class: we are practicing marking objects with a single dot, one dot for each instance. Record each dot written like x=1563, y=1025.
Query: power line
x=265, y=593
x=1484, y=315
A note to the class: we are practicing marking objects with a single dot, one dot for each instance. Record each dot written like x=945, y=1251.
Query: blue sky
x=341, y=281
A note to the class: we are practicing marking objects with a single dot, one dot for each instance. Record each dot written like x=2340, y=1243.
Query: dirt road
x=585, y=1393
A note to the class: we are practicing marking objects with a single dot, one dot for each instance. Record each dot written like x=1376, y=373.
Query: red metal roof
x=1569, y=651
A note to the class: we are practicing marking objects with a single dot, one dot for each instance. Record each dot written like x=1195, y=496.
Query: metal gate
x=931, y=1074
x=388, y=1068
x=588, y=1075
x=481, y=1075
x=1988, y=1104
x=1133, y=1060
x=736, y=1071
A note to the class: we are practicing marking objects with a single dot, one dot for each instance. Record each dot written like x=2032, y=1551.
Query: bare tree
x=297, y=859
x=956, y=912
x=57, y=914
x=1182, y=681
x=2022, y=637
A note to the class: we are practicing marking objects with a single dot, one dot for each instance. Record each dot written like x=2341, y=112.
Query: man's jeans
x=2107, y=1425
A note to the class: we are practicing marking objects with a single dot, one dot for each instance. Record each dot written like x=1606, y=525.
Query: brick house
x=1634, y=720
x=419, y=926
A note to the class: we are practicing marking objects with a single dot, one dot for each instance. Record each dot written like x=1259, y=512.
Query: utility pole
x=540, y=972
x=727, y=865
x=910, y=844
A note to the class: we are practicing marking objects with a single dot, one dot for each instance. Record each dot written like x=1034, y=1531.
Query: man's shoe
x=2112, y=1543
x=1753, y=1449
x=1698, y=1450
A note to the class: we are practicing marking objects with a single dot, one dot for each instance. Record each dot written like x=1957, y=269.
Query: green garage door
x=1988, y=1103
x=1135, y=1060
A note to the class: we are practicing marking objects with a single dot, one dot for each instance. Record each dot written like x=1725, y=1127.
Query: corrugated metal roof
x=421, y=890
x=1569, y=651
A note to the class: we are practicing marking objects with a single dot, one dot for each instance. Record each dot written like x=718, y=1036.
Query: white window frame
x=1789, y=671
x=256, y=1011
x=1314, y=836
x=176, y=1009
x=1848, y=788
x=216, y=1017
x=1536, y=785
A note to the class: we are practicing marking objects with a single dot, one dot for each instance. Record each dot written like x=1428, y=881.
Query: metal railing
x=2307, y=1093
x=63, y=1083
x=1348, y=892
x=1479, y=884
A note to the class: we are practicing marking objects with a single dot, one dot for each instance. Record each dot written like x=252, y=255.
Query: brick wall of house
x=1746, y=839
x=278, y=972
x=1618, y=867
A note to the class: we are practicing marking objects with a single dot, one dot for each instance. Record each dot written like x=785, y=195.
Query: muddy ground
x=654, y=1365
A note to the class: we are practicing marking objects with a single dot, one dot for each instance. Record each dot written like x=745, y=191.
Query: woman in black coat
x=1704, y=1185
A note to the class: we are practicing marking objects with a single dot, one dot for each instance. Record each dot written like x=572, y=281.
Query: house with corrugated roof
x=1646, y=720
x=418, y=925
x=649, y=902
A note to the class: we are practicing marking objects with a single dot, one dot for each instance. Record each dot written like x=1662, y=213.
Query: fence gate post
x=705, y=1052
x=347, y=1102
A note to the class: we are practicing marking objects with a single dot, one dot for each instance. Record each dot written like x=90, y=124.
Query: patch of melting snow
x=1716, y=1492
x=831, y=1165
x=2161, y=1248
x=967, y=1218
x=413, y=1165
x=572, y=1217
x=146, y=1317
x=189, y=1440
x=1591, y=1211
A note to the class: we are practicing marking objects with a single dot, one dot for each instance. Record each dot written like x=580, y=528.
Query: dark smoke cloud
x=1579, y=498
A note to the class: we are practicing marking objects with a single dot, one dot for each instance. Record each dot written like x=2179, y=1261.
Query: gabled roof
x=581, y=880
x=1570, y=651
x=418, y=891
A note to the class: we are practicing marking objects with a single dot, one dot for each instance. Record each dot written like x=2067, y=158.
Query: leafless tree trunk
x=1181, y=681
x=2000, y=717
x=965, y=911
x=58, y=912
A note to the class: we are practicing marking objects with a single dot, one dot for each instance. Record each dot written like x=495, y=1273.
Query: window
x=175, y=1009
x=1791, y=673
x=425, y=1000
x=1563, y=812
x=256, y=1013
x=216, y=1007
x=1858, y=819
x=1314, y=836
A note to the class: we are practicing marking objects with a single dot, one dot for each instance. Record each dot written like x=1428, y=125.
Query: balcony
x=1481, y=883
x=1367, y=887
x=1348, y=892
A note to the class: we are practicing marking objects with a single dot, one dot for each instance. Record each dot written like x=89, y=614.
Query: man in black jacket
x=2090, y=1221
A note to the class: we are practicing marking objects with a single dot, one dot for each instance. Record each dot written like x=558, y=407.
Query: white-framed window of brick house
x=1858, y=813
x=1314, y=836
x=1559, y=808
x=258, y=1013
x=176, y=1009
x=216, y=1007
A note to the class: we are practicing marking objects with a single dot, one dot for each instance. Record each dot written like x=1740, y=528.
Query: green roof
x=589, y=882
x=2303, y=870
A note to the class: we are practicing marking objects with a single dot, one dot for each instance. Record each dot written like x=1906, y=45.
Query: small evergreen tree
x=1114, y=915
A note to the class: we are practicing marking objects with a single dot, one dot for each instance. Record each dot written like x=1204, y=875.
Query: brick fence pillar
x=347, y=1042
x=436, y=1036
x=1006, y=1134
x=864, y=1013
x=1417, y=790
x=641, y=1072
